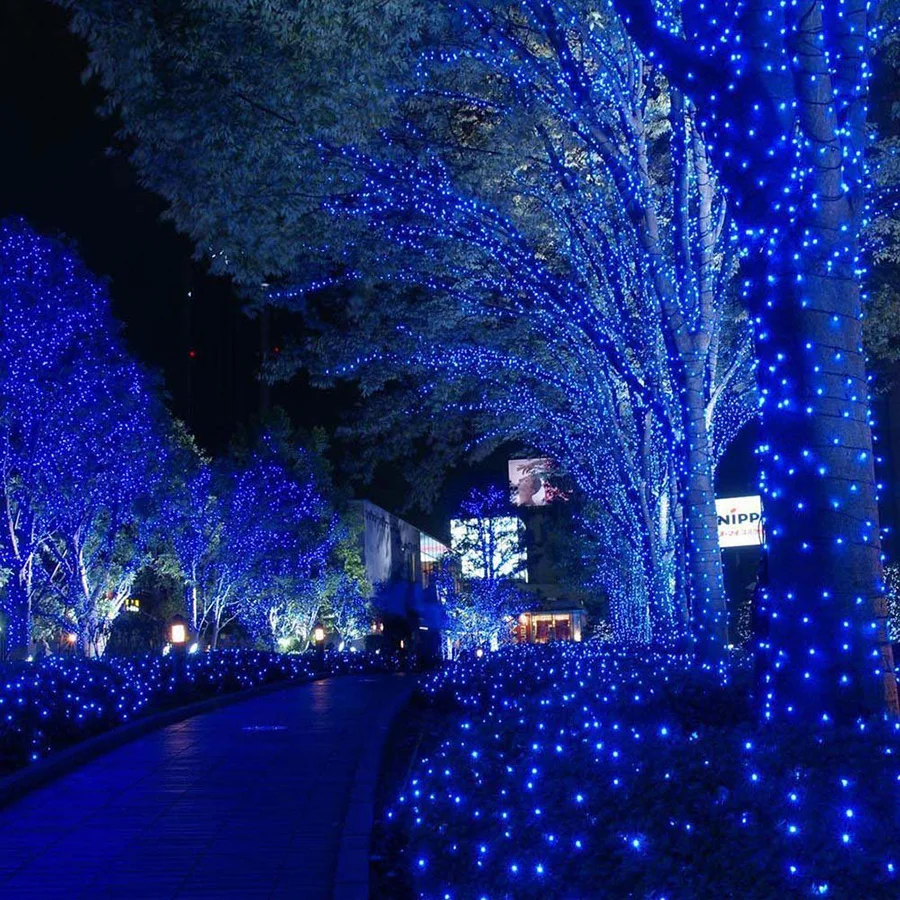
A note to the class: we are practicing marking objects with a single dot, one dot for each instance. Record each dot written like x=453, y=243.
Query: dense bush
x=51, y=704
x=586, y=772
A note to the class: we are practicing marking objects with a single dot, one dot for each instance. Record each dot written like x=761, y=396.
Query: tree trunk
x=90, y=642
x=827, y=652
x=629, y=604
x=214, y=640
x=681, y=567
x=666, y=629
x=193, y=604
x=17, y=606
x=794, y=166
x=704, y=558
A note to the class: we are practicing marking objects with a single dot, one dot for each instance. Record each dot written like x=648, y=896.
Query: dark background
x=60, y=174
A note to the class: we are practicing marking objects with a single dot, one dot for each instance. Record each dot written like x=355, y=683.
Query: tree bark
x=827, y=653
x=704, y=558
x=666, y=627
x=666, y=631
x=786, y=123
x=18, y=617
x=192, y=603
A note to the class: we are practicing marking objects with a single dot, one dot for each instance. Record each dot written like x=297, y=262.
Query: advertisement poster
x=532, y=482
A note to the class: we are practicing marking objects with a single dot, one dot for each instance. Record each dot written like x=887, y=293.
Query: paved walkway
x=271, y=797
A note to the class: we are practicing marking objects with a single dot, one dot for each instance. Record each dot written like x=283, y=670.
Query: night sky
x=60, y=174
x=64, y=172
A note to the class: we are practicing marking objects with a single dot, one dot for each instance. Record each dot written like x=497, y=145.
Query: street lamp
x=319, y=642
x=178, y=633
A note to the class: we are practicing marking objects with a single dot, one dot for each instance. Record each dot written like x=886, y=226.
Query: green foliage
x=224, y=104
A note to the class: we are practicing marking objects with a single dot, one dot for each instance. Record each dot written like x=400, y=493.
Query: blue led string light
x=780, y=90
x=569, y=766
x=80, y=447
x=622, y=276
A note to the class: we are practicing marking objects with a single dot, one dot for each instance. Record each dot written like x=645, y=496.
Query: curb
x=351, y=881
x=16, y=785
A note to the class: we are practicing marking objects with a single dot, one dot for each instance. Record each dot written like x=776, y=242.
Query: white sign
x=740, y=521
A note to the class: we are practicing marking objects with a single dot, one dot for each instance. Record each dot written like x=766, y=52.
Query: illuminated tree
x=607, y=341
x=348, y=590
x=332, y=595
x=80, y=445
x=554, y=143
x=780, y=92
x=248, y=532
x=482, y=592
x=571, y=138
x=881, y=234
x=336, y=593
x=196, y=517
x=292, y=609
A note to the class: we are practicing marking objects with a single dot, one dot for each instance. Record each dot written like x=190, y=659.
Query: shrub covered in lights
x=61, y=700
x=582, y=771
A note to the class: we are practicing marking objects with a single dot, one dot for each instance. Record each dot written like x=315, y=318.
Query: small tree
x=487, y=543
x=291, y=610
x=251, y=532
x=347, y=606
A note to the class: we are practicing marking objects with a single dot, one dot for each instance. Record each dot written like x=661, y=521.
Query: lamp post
x=178, y=633
x=178, y=636
x=319, y=642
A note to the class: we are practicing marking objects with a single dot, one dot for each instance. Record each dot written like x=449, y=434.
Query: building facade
x=400, y=560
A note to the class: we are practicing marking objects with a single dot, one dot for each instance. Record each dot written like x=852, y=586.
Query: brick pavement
x=268, y=798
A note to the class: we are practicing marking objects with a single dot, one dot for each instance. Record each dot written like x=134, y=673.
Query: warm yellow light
x=523, y=618
x=179, y=633
x=71, y=638
x=319, y=634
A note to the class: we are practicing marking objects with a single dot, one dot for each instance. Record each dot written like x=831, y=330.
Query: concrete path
x=269, y=798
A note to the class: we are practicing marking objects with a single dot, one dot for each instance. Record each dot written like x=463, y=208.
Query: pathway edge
x=16, y=785
x=351, y=880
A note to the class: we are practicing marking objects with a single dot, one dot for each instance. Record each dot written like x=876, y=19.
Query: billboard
x=532, y=482
x=489, y=547
x=740, y=521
